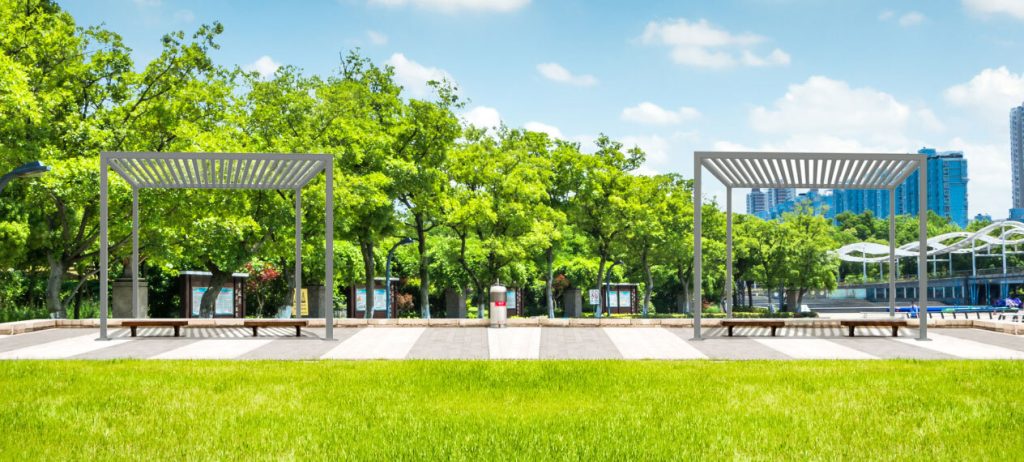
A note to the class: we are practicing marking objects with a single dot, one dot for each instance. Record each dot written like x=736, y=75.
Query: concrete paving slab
x=1013, y=342
x=651, y=343
x=451, y=343
x=377, y=343
x=962, y=348
x=63, y=348
x=214, y=349
x=514, y=343
x=138, y=348
x=812, y=348
x=888, y=348
x=576, y=343
x=14, y=342
x=716, y=347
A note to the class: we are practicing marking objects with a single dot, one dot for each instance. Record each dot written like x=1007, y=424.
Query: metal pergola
x=811, y=170
x=217, y=171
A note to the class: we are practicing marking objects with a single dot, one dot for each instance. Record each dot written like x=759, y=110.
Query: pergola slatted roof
x=809, y=170
x=217, y=171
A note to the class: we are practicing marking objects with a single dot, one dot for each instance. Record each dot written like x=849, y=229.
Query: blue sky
x=670, y=76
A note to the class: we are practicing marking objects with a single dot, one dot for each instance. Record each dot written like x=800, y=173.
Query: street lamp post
x=28, y=170
x=387, y=276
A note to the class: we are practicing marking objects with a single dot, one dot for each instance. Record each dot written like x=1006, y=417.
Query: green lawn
x=699, y=410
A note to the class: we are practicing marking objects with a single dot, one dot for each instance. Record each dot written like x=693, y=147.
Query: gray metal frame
x=217, y=171
x=811, y=170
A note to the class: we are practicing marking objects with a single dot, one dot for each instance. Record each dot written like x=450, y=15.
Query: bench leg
x=730, y=331
x=773, y=330
x=133, y=330
x=254, y=331
x=851, y=330
x=895, y=331
x=177, y=331
x=298, y=331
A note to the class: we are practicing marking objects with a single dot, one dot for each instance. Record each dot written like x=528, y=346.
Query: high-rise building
x=756, y=202
x=779, y=196
x=947, y=187
x=947, y=193
x=1017, y=161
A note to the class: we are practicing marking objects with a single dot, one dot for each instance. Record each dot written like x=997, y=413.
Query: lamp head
x=405, y=240
x=31, y=169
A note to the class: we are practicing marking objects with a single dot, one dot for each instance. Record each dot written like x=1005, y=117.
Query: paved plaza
x=511, y=343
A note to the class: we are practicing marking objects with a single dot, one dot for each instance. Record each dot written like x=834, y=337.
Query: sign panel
x=624, y=299
x=224, y=305
x=510, y=298
x=378, y=299
x=613, y=298
x=305, y=301
x=595, y=296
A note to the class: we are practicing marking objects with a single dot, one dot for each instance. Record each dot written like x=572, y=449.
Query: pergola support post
x=728, y=252
x=697, y=305
x=298, y=253
x=892, y=252
x=922, y=254
x=103, y=248
x=329, y=247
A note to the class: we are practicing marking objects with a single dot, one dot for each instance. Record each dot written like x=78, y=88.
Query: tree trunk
x=421, y=237
x=54, y=281
x=208, y=303
x=600, y=284
x=681, y=274
x=648, y=280
x=549, y=283
x=369, y=265
x=750, y=294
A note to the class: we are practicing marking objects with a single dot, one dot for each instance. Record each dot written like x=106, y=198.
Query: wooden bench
x=136, y=323
x=255, y=324
x=895, y=324
x=771, y=323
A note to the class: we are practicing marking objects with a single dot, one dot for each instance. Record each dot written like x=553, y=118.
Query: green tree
x=499, y=190
x=417, y=168
x=599, y=208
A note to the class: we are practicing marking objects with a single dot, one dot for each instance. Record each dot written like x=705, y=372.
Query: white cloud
x=377, y=38
x=265, y=66
x=184, y=16
x=776, y=58
x=991, y=93
x=557, y=73
x=551, y=130
x=702, y=44
x=826, y=113
x=483, y=117
x=908, y=19
x=656, y=147
x=652, y=114
x=989, y=165
x=912, y=18
x=455, y=6
x=1013, y=8
x=414, y=76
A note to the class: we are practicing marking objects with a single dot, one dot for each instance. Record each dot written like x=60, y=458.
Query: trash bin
x=499, y=312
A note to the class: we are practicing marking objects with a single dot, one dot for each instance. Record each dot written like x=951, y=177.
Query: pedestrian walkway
x=511, y=343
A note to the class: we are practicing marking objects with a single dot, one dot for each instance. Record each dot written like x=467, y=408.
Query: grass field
x=698, y=410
